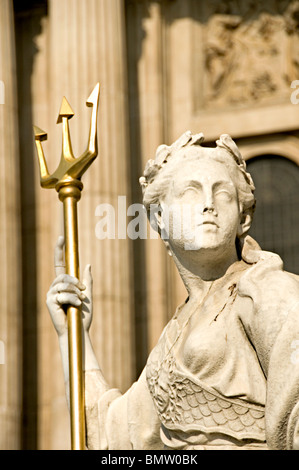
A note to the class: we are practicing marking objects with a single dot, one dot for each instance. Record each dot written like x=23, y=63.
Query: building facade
x=164, y=67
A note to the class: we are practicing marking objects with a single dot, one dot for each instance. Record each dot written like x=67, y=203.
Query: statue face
x=201, y=209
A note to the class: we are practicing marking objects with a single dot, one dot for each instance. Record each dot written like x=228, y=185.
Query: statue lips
x=208, y=222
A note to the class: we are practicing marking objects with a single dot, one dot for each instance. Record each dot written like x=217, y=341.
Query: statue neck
x=198, y=271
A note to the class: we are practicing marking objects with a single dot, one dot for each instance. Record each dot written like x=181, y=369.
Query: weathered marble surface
x=224, y=373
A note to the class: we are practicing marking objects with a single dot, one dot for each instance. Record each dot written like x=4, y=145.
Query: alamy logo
x=184, y=222
x=2, y=92
x=295, y=93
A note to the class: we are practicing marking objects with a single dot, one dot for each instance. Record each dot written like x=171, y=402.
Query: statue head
x=212, y=182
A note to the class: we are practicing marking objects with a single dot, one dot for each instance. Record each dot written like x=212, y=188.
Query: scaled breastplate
x=185, y=404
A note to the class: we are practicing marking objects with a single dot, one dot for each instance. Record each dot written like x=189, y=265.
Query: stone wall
x=164, y=67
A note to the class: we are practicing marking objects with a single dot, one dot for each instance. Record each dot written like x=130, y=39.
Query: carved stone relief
x=250, y=51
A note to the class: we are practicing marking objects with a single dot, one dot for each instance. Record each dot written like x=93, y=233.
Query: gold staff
x=67, y=182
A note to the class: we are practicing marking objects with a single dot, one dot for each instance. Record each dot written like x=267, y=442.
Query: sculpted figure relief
x=224, y=374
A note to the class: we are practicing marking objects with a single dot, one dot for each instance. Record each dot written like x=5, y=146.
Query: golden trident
x=67, y=182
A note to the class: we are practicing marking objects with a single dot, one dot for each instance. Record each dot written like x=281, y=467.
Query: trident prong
x=65, y=114
x=41, y=135
x=70, y=168
x=67, y=182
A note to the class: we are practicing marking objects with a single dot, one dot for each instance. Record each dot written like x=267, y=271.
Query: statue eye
x=190, y=189
x=224, y=195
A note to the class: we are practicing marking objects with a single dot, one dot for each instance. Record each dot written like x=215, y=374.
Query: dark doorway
x=276, y=221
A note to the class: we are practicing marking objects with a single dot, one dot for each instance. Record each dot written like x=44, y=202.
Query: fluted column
x=87, y=45
x=146, y=30
x=10, y=266
x=152, y=134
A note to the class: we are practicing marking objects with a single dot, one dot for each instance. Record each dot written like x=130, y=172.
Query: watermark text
x=180, y=221
x=295, y=93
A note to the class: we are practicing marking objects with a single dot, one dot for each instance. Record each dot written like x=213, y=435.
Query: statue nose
x=208, y=206
x=208, y=209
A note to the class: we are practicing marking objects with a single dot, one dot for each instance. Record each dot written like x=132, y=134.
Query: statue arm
x=272, y=326
x=113, y=420
x=116, y=421
x=67, y=290
x=282, y=405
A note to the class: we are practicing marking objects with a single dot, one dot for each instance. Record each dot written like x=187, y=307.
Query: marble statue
x=225, y=372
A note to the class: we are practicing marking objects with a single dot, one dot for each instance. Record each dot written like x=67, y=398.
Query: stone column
x=10, y=266
x=181, y=47
x=146, y=29
x=152, y=134
x=87, y=45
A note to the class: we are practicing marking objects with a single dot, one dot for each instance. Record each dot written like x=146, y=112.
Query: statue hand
x=67, y=290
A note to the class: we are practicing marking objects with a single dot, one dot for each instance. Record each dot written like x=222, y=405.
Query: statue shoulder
x=266, y=281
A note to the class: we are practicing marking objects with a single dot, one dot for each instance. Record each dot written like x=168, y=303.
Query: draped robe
x=224, y=375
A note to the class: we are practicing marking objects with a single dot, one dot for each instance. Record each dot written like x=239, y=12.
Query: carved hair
x=158, y=173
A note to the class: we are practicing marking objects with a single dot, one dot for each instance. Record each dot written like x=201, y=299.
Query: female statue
x=224, y=373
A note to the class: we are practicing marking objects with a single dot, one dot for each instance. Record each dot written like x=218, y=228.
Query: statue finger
x=67, y=279
x=59, y=263
x=66, y=298
x=88, y=281
x=68, y=287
